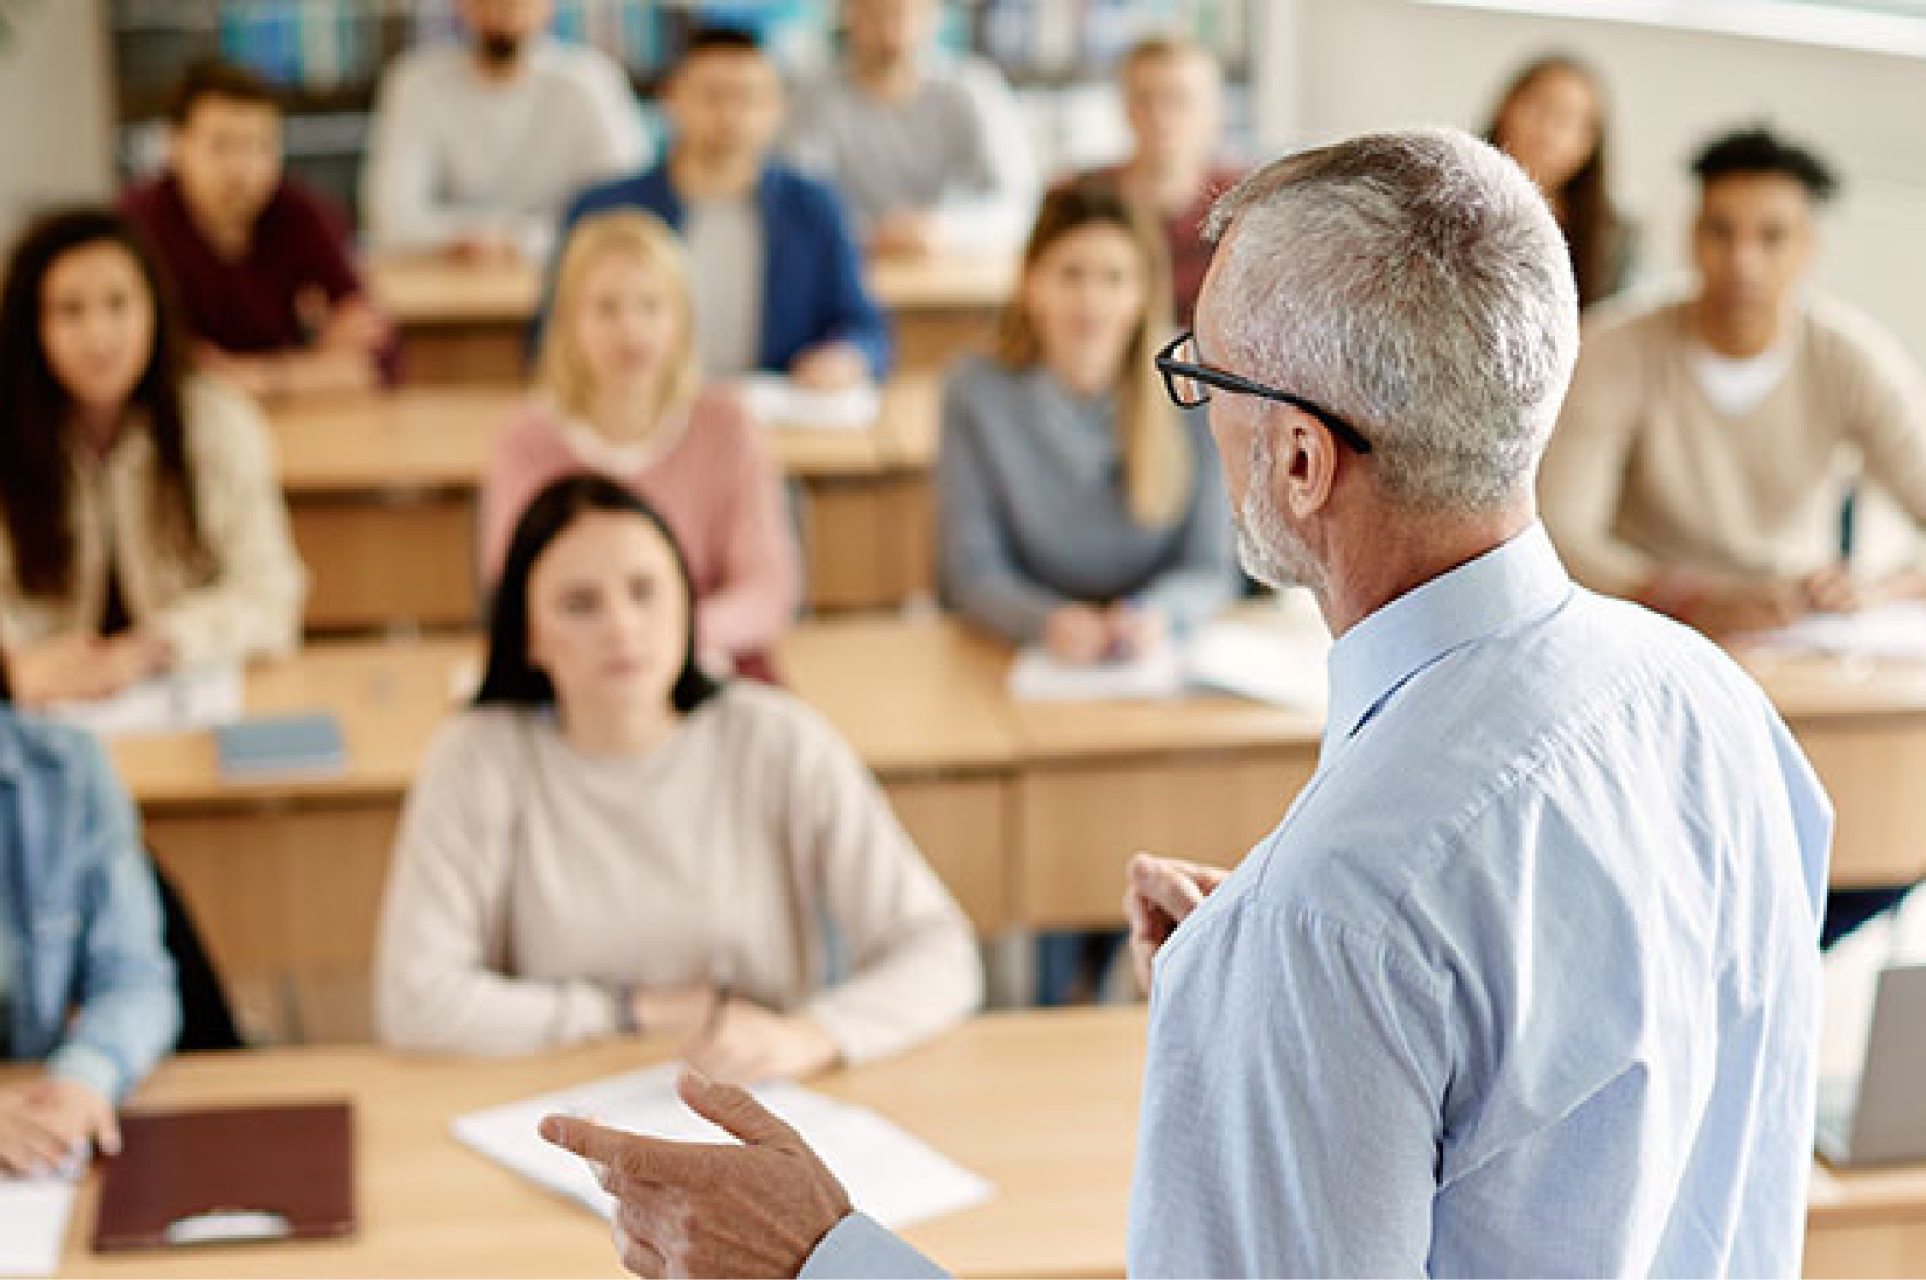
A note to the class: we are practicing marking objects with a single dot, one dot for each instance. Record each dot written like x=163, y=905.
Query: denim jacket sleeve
x=129, y=1005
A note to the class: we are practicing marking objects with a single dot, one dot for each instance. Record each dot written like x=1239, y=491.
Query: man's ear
x=1306, y=463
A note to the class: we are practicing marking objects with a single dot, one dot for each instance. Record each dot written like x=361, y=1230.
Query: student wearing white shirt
x=477, y=148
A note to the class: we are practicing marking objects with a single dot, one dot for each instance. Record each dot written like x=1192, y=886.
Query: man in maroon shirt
x=1173, y=97
x=261, y=266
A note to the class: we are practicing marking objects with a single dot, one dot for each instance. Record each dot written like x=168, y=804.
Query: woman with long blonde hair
x=620, y=393
x=1078, y=508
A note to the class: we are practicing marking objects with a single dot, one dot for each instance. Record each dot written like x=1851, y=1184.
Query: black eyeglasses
x=1189, y=383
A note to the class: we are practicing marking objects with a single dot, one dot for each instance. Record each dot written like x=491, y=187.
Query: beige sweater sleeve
x=1582, y=477
x=1882, y=402
x=253, y=603
x=441, y=953
x=912, y=962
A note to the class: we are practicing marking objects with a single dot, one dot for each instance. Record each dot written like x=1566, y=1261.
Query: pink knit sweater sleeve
x=761, y=580
x=529, y=454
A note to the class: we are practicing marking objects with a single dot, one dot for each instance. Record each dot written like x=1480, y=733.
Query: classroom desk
x=1863, y=726
x=468, y=323
x=1028, y=811
x=943, y=305
x=1044, y=1105
x=382, y=493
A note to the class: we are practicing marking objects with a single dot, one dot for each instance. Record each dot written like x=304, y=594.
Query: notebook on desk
x=274, y=746
x=227, y=1175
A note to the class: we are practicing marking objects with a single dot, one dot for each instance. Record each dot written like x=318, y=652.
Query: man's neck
x=1395, y=555
x=499, y=74
x=704, y=178
x=888, y=82
x=228, y=239
x=1739, y=337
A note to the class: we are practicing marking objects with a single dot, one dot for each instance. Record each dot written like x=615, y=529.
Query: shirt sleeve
x=850, y=314
x=912, y=962
x=402, y=170
x=761, y=567
x=129, y=1007
x=1581, y=481
x=252, y=603
x=994, y=211
x=1883, y=399
x=1202, y=580
x=860, y=1248
x=980, y=578
x=1292, y=1102
x=442, y=945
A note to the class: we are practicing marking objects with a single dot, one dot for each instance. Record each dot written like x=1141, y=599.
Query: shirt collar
x=1512, y=583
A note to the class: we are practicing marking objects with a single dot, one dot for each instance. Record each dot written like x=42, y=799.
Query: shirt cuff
x=86, y=1066
x=859, y=1247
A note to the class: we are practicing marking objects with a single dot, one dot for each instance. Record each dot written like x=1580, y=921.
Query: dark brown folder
x=229, y=1174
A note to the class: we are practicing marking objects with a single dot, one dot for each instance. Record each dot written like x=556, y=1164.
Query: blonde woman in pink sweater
x=620, y=393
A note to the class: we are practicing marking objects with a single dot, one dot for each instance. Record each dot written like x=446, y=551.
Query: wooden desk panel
x=383, y=492
x=1044, y=1105
x=1866, y=1223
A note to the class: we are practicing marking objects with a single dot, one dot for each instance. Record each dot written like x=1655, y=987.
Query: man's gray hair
x=1416, y=284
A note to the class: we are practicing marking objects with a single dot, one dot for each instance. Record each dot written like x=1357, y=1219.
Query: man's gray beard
x=1266, y=546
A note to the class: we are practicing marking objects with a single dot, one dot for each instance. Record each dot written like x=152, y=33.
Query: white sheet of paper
x=1284, y=667
x=195, y=698
x=1037, y=677
x=33, y=1224
x=775, y=401
x=1895, y=631
x=889, y=1174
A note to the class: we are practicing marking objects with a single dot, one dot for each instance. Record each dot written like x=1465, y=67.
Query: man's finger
x=734, y=1111
x=631, y=1156
x=1165, y=887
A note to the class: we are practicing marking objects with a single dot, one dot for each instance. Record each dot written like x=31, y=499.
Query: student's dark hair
x=1754, y=151
x=6, y=683
x=1592, y=226
x=220, y=79
x=511, y=677
x=35, y=484
x=717, y=38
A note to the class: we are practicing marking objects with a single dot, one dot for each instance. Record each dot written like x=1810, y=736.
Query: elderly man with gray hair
x=1526, y=982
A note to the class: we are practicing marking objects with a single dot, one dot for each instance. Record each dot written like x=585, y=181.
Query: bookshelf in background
x=326, y=57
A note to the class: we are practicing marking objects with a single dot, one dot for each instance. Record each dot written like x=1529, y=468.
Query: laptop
x=1880, y=1117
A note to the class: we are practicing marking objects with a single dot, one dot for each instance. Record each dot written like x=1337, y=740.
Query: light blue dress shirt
x=1526, y=983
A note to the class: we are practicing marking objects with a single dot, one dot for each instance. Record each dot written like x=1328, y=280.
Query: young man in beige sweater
x=1705, y=451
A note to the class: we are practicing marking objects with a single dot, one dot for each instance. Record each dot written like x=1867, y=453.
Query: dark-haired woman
x=610, y=842
x=141, y=525
x=86, y=987
x=1551, y=120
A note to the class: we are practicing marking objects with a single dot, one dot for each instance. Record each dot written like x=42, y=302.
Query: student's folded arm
x=978, y=576
x=762, y=568
x=252, y=604
x=442, y=941
x=912, y=959
x=399, y=175
x=129, y=1006
x=1582, y=477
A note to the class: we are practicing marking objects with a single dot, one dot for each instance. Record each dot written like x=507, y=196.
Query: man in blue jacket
x=778, y=280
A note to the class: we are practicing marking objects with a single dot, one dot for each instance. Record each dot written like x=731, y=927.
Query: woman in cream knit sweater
x=609, y=842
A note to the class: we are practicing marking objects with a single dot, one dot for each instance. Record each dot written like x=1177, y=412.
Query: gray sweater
x=1032, y=513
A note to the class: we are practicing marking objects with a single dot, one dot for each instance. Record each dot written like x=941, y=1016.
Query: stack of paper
x=775, y=401
x=194, y=698
x=33, y=1224
x=890, y=1175
x=1281, y=665
x=1895, y=632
